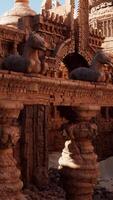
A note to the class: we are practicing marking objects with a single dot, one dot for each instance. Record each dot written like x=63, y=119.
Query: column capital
x=9, y=129
x=10, y=109
x=86, y=112
x=11, y=104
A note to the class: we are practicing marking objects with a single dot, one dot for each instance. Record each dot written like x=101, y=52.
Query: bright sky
x=8, y=4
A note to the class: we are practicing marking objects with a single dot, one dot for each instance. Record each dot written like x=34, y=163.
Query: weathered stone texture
x=31, y=151
x=34, y=149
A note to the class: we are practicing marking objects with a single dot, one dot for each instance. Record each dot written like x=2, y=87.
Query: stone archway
x=66, y=48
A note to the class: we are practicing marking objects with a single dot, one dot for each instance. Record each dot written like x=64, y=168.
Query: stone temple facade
x=29, y=119
x=101, y=18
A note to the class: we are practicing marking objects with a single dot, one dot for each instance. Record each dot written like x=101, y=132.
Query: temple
x=43, y=154
x=101, y=18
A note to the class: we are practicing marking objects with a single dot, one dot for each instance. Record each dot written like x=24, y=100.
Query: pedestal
x=78, y=163
x=10, y=183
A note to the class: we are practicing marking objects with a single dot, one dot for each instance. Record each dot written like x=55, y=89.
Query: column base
x=10, y=183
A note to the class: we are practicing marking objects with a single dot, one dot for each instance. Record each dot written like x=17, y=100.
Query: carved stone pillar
x=78, y=163
x=0, y=47
x=10, y=183
x=107, y=33
x=34, y=146
x=15, y=48
x=105, y=28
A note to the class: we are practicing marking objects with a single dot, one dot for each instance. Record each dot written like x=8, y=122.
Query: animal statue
x=95, y=72
x=31, y=61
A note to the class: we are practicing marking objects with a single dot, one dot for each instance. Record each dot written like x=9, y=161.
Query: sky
x=8, y=4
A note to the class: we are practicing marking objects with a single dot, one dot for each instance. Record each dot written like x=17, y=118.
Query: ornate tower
x=72, y=2
x=83, y=17
x=46, y=4
x=67, y=2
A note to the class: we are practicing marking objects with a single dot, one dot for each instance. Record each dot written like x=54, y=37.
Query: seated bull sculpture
x=94, y=73
x=32, y=61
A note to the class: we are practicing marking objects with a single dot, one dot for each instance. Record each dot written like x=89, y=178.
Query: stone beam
x=31, y=90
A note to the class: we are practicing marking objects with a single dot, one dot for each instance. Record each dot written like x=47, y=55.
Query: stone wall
x=103, y=142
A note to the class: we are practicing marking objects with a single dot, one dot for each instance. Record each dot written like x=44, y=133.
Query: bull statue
x=82, y=71
x=31, y=61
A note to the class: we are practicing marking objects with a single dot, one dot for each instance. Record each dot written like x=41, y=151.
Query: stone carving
x=95, y=72
x=8, y=137
x=83, y=16
x=10, y=183
x=33, y=58
x=30, y=90
x=78, y=162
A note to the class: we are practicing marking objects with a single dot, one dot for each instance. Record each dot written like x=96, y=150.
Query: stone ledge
x=36, y=89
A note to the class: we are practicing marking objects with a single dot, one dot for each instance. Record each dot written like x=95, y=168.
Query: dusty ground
x=54, y=190
x=102, y=194
x=55, y=193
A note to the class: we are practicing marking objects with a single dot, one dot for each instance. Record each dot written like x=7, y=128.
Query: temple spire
x=46, y=4
x=67, y=2
x=72, y=3
x=22, y=1
x=83, y=18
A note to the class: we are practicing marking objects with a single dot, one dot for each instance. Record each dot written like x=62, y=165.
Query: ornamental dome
x=93, y=3
x=21, y=8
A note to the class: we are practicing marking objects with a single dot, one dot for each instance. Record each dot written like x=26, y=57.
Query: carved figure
x=32, y=61
x=95, y=72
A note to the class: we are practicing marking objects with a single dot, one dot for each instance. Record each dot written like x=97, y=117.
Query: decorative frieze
x=45, y=90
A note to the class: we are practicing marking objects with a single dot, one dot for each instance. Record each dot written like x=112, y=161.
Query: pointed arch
x=66, y=48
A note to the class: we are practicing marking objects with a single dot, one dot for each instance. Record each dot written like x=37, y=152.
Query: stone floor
x=50, y=193
x=54, y=190
x=102, y=194
x=55, y=193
